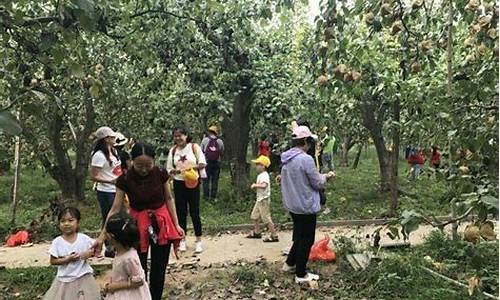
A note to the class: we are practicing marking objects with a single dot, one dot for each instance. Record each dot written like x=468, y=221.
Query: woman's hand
x=180, y=230
x=174, y=172
x=331, y=175
x=87, y=254
x=200, y=166
x=106, y=287
x=97, y=246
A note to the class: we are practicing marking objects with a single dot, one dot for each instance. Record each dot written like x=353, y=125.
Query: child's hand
x=72, y=257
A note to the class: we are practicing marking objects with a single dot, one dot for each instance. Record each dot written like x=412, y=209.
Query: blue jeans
x=105, y=200
x=327, y=162
x=211, y=183
x=415, y=171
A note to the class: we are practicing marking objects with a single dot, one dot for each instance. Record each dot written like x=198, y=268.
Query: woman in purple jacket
x=300, y=186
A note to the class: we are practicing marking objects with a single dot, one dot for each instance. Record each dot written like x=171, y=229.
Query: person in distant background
x=327, y=156
x=416, y=161
x=105, y=170
x=275, y=153
x=121, y=142
x=435, y=158
x=264, y=147
x=213, y=148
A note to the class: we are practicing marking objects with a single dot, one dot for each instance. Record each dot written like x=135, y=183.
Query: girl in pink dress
x=128, y=280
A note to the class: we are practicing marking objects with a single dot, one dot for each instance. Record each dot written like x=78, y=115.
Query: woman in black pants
x=300, y=186
x=151, y=205
x=185, y=158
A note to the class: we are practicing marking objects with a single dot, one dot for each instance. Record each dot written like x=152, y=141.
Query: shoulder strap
x=194, y=152
x=174, y=148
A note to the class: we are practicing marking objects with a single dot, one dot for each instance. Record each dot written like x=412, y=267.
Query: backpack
x=212, y=150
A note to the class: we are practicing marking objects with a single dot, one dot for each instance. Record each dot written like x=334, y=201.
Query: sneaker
x=198, y=248
x=182, y=246
x=308, y=278
x=287, y=269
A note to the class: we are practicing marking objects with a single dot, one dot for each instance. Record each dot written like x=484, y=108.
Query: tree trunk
x=237, y=130
x=71, y=180
x=358, y=155
x=449, y=60
x=395, y=156
x=15, y=185
x=255, y=147
x=383, y=163
x=374, y=126
x=344, y=151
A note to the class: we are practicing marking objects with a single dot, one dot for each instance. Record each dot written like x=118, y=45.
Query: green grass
x=30, y=283
x=353, y=195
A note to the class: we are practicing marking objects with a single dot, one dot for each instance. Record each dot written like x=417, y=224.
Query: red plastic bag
x=18, y=238
x=321, y=252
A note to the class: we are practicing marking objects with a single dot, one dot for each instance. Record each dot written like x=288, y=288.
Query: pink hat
x=302, y=132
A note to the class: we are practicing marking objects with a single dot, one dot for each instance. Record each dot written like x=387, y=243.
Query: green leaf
x=490, y=201
x=95, y=91
x=76, y=70
x=9, y=123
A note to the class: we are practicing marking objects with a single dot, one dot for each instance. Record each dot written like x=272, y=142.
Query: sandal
x=254, y=235
x=271, y=239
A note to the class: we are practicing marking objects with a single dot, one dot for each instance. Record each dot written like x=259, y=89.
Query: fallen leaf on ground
x=473, y=282
x=313, y=285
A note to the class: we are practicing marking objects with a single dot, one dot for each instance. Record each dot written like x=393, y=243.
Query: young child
x=69, y=252
x=261, y=209
x=128, y=280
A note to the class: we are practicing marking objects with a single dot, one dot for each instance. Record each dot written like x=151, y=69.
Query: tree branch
x=40, y=20
x=163, y=12
x=442, y=224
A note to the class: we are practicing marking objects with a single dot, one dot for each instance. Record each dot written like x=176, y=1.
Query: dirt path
x=218, y=249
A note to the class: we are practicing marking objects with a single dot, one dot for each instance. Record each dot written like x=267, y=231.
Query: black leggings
x=304, y=229
x=159, y=262
x=185, y=199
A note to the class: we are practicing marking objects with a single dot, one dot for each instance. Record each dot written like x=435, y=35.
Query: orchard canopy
x=381, y=73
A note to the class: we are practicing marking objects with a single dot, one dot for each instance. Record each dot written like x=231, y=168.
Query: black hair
x=124, y=230
x=434, y=149
x=302, y=122
x=142, y=149
x=183, y=130
x=299, y=142
x=73, y=211
x=263, y=137
x=101, y=145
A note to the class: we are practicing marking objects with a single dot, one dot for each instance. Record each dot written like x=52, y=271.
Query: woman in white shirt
x=105, y=169
x=183, y=157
